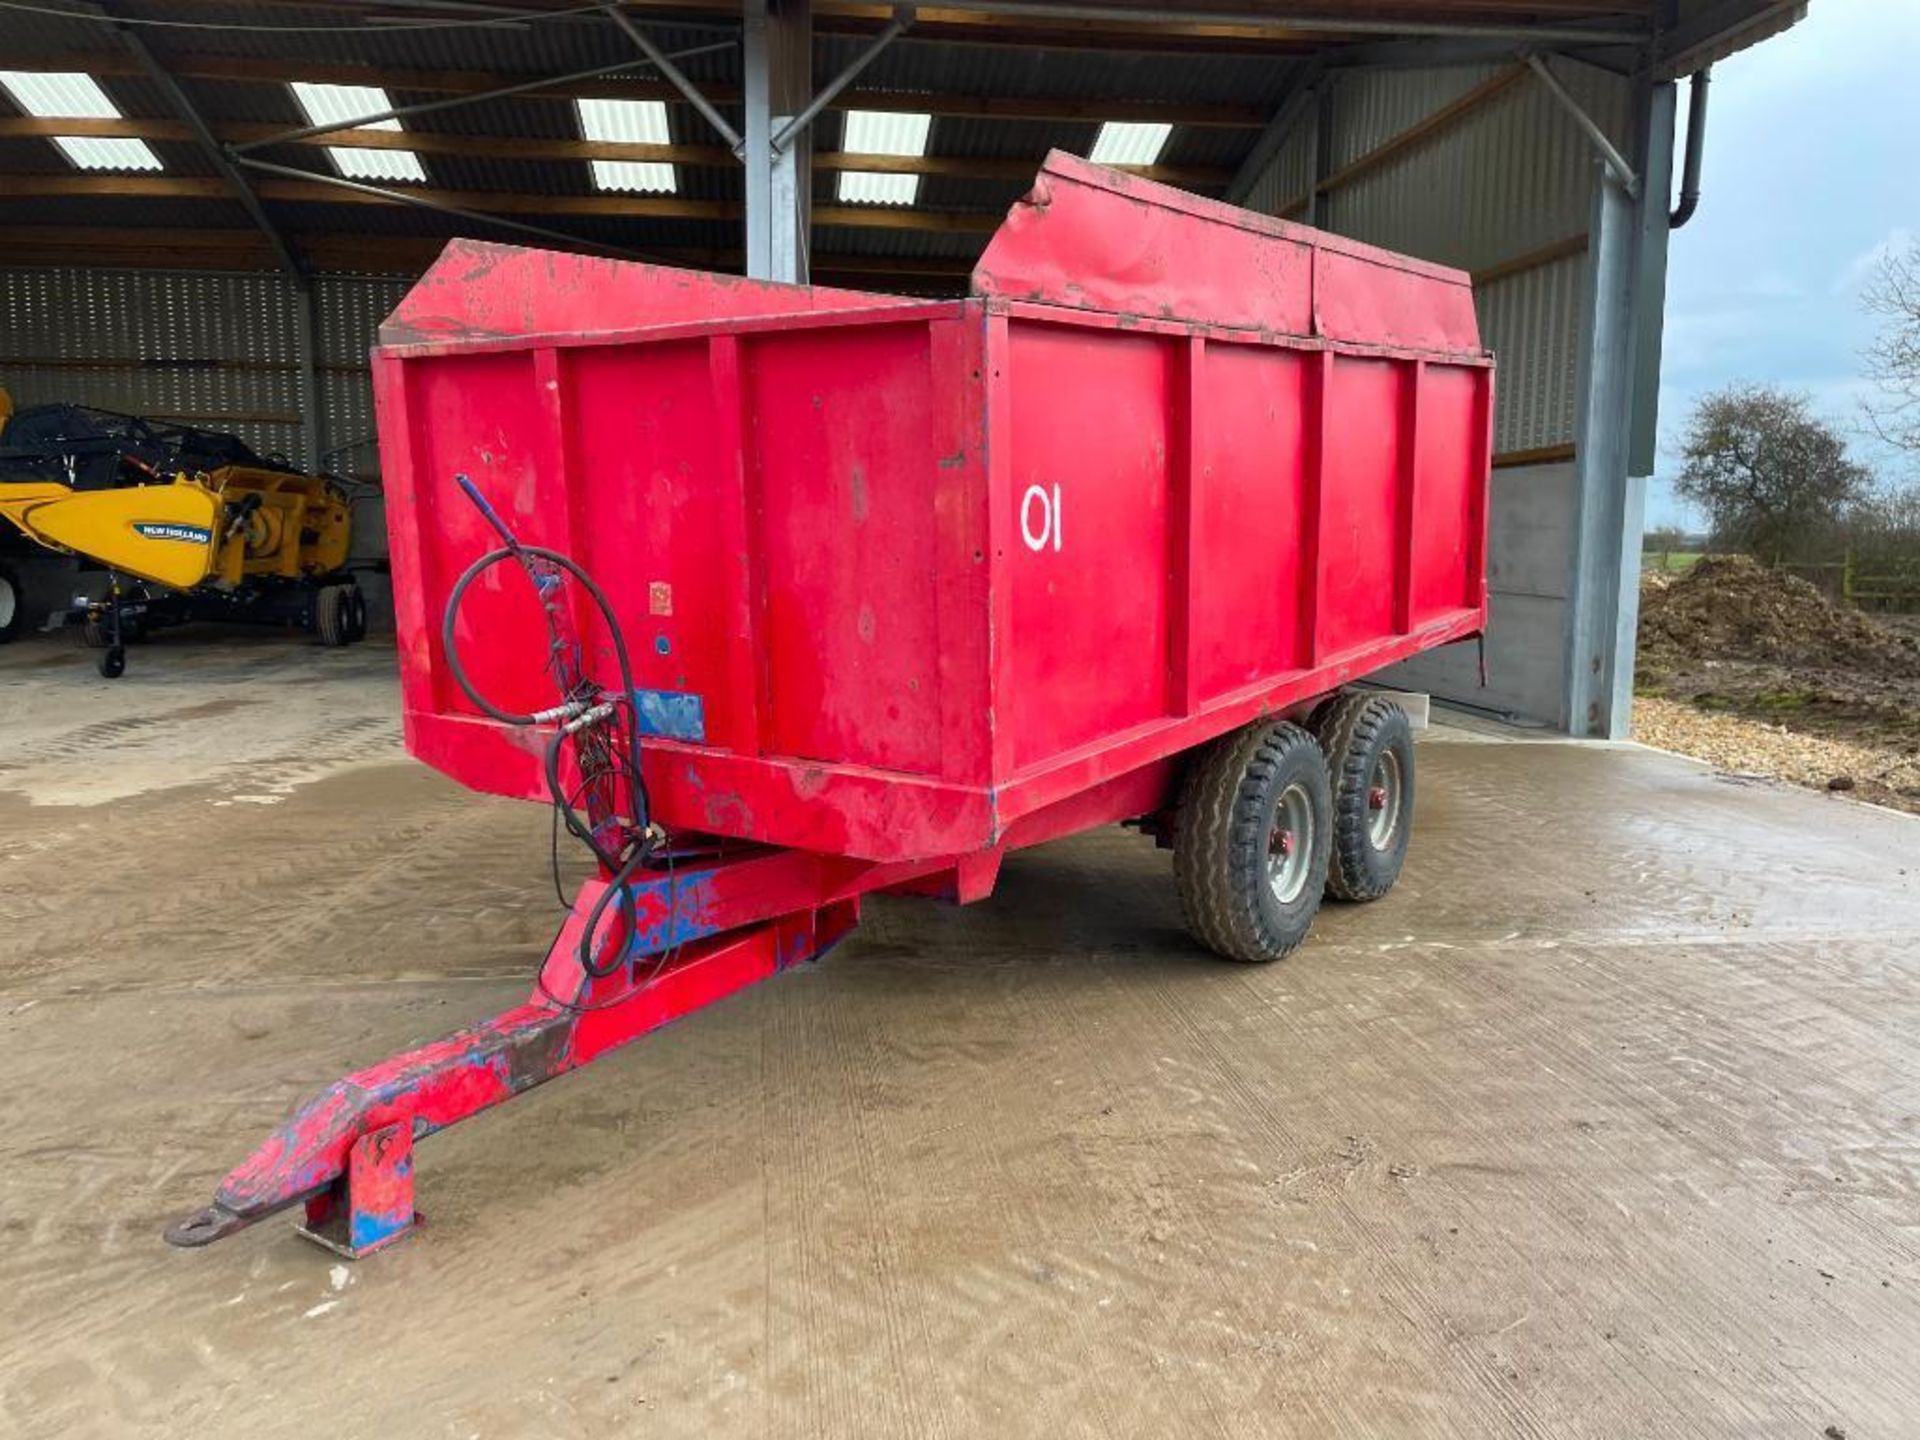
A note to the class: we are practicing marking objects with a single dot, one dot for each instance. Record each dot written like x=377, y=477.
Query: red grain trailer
x=835, y=593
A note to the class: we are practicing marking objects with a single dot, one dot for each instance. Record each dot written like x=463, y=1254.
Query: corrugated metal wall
x=1531, y=322
x=1370, y=107
x=349, y=309
x=1511, y=177
x=1288, y=174
x=211, y=349
x=1504, y=190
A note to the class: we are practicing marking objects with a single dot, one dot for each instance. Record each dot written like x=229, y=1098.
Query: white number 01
x=1038, y=505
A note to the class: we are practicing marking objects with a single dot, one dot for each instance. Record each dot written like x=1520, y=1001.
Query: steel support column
x=1626, y=289
x=1656, y=224
x=777, y=45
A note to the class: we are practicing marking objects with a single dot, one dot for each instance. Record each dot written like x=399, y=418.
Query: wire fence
x=1890, y=589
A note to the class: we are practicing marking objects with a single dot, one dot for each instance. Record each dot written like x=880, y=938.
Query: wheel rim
x=1384, y=794
x=1290, y=845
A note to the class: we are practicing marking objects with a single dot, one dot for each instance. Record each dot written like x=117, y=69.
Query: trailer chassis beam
x=346, y=1154
x=698, y=932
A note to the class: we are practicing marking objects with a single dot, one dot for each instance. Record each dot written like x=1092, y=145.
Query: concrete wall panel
x=1528, y=545
x=1521, y=631
x=1532, y=531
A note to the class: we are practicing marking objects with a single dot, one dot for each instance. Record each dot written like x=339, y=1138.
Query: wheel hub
x=1290, y=844
x=1384, y=797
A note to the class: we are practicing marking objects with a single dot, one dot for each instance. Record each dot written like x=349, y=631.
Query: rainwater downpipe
x=1696, y=142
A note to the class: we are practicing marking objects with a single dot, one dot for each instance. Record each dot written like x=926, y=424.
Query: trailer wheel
x=332, y=612
x=1369, y=747
x=1256, y=822
x=113, y=664
x=356, y=614
x=13, y=605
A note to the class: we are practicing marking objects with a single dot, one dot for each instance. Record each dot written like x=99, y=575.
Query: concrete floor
x=1605, y=1122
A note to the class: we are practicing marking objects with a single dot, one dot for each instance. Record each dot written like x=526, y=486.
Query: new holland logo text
x=167, y=530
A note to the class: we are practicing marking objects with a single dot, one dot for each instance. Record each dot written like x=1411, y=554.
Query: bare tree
x=1893, y=360
x=1883, y=531
x=1773, y=480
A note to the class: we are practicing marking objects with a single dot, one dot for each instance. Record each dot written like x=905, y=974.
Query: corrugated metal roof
x=34, y=32
x=945, y=195
x=1705, y=32
x=968, y=138
x=134, y=96
x=67, y=94
x=20, y=218
x=640, y=121
x=1123, y=142
x=896, y=244
x=109, y=154
x=545, y=48
x=359, y=220
x=961, y=69
x=1251, y=82
x=882, y=132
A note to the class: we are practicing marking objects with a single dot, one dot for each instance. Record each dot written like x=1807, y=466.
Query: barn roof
x=1003, y=80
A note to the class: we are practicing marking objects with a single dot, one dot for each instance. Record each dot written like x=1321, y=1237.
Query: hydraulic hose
x=620, y=867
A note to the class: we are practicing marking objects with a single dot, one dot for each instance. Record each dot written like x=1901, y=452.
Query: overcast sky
x=1812, y=170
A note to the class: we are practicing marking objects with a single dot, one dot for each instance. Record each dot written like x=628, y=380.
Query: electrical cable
x=491, y=22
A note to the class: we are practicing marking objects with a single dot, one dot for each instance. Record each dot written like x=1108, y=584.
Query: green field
x=1674, y=562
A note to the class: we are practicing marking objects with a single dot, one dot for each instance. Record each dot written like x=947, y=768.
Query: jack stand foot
x=371, y=1205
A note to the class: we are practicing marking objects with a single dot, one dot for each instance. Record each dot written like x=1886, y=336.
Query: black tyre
x=94, y=635
x=113, y=664
x=13, y=605
x=331, y=613
x=1369, y=747
x=1255, y=828
x=356, y=614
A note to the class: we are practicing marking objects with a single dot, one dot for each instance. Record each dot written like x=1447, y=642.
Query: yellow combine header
x=189, y=524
